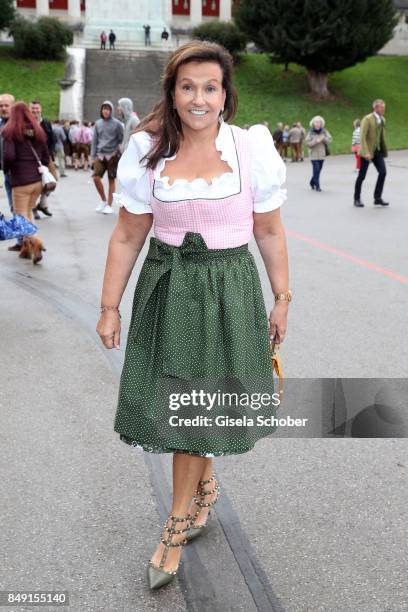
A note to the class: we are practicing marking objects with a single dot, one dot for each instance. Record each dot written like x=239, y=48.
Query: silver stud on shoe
x=197, y=530
x=157, y=576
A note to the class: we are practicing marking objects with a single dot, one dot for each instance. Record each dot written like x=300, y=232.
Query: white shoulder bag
x=48, y=181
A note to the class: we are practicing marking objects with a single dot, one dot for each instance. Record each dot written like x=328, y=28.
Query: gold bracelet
x=103, y=308
x=284, y=297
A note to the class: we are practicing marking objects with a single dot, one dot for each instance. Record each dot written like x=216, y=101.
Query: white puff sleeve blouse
x=133, y=176
x=268, y=170
x=268, y=173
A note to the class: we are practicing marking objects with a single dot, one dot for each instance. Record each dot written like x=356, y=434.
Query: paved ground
x=303, y=524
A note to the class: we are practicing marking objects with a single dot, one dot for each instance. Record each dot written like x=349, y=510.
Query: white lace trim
x=224, y=143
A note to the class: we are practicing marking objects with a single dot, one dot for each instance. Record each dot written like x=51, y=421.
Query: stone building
x=127, y=17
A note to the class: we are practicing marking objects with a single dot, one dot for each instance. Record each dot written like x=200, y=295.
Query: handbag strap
x=35, y=154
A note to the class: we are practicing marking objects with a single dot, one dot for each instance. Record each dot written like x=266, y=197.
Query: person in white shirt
x=356, y=143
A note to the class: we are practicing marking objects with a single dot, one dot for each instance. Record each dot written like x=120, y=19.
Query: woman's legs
x=317, y=165
x=21, y=206
x=207, y=472
x=187, y=471
x=314, y=173
x=321, y=162
x=21, y=200
x=24, y=199
x=35, y=194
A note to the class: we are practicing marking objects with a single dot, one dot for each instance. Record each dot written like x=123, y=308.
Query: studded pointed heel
x=157, y=576
x=197, y=530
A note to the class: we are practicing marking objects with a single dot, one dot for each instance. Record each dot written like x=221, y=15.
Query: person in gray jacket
x=105, y=153
x=129, y=117
x=60, y=138
x=317, y=139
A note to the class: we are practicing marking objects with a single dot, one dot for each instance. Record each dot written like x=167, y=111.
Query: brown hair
x=163, y=122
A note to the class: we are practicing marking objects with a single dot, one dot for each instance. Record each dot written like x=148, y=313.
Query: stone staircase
x=110, y=75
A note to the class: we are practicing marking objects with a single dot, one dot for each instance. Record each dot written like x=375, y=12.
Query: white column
x=167, y=12
x=74, y=9
x=225, y=10
x=195, y=12
x=42, y=8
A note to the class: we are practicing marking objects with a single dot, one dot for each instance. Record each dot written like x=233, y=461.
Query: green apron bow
x=166, y=263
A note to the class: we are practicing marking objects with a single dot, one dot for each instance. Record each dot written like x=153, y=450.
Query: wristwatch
x=284, y=297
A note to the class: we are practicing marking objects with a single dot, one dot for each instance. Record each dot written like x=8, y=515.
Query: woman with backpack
x=25, y=142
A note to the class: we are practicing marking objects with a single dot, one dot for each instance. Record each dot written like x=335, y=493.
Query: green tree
x=322, y=35
x=43, y=39
x=224, y=33
x=7, y=13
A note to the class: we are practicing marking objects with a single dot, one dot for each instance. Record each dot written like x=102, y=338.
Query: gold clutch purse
x=276, y=365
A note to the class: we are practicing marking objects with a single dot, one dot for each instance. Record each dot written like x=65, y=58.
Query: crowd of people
x=29, y=142
x=290, y=139
x=367, y=144
x=294, y=139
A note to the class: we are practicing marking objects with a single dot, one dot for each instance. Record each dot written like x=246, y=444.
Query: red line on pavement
x=357, y=260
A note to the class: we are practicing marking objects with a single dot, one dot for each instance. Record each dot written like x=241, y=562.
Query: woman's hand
x=108, y=329
x=278, y=321
x=270, y=238
x=125, y=244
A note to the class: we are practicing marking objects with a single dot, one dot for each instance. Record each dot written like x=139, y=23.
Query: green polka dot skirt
x=197, y=353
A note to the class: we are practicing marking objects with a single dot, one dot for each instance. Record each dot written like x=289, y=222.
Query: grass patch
x=267, y=93
x=31, y=79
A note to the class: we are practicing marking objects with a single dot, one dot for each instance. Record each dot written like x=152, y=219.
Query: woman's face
x=317, y=124
x=198, y=94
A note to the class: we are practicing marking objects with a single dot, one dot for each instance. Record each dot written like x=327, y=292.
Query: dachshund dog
x=25, y=251
x=32, y=248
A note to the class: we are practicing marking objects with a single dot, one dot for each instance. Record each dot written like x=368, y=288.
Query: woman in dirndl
x=199, y=321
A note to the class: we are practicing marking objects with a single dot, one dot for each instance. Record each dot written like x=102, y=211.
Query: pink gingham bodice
x=221, y=211
x=222, y=222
